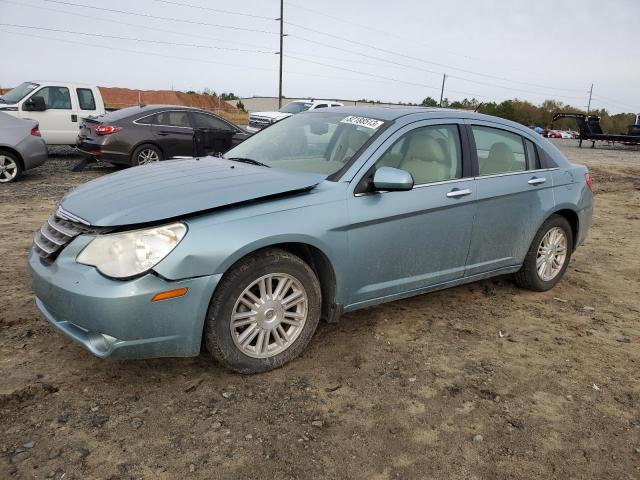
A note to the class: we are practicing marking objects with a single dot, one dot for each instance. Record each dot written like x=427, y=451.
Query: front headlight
x=124, y=255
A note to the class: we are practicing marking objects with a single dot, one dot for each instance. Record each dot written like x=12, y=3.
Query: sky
x=392, y=51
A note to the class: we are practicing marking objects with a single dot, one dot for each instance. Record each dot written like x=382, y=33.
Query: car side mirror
x=35, y=104
x=392, y=179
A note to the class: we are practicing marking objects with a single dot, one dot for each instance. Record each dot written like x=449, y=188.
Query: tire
x=224, y=338
x=529, y=276
x=146, y=154
x=10, y=167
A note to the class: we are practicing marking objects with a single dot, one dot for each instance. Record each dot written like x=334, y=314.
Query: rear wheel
x=548, y=255
x=10, y=169
x=264, y=312
x=146, y=154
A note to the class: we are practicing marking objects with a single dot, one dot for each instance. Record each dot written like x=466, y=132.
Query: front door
x=173, y=132
x=513, y=192
x=407, y=241
x=59, y=122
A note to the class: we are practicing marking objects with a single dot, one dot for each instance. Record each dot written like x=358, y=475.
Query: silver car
x=21, y=147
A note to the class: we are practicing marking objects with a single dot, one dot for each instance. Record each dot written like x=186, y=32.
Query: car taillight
x=588, y=181
x=106, y=129
x=35, y=132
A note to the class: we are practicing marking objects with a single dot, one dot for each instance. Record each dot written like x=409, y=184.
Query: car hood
x=274, y=115
x=177, y=188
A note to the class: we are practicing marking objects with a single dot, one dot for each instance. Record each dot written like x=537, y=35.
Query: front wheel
x=264, y=312
x=548, y=256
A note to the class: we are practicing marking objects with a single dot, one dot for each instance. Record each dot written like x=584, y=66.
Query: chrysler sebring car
x=322, y=213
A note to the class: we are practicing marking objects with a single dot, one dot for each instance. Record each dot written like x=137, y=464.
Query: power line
x=136, y=25
x=161, y=42
x=176, y=57
x=449, y=67
x=384, y=32
x=218, y=10
x=616, y=102
x=414, y=67
x=157, y=17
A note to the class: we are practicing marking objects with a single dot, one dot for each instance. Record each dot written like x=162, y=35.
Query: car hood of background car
x=177, y=188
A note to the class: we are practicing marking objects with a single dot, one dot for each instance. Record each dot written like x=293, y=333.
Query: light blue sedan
x=322, y=213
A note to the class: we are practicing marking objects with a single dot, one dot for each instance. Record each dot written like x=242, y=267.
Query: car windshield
x=316, y=142
x=18, y=93
x=296, y=107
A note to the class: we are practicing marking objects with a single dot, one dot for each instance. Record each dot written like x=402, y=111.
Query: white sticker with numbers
x=362, y=121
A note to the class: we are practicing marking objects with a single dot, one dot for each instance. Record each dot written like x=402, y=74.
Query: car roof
x=57, y=82
x=394, y=112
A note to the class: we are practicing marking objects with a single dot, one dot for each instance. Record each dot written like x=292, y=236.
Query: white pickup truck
x=56, y=106
x=260, y=120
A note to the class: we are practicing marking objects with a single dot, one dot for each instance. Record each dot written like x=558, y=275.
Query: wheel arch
x=572, y=217
x=319, y=262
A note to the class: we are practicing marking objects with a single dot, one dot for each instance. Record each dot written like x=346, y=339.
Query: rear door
x=87, y=105
x=59, y=122
x=173, y=132
x=220, y=135
x=513, y=194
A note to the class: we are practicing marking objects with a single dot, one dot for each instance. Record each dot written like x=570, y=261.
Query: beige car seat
x=426, y=160
x=501, y=159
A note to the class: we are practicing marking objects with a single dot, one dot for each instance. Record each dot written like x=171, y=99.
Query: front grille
x=55, y=234
x=259, y=122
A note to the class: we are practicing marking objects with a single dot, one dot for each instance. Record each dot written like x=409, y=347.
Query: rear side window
x=429, y=154
x=55, y=98
x=498, y=151
x=202, y=120
x=322, y=105
x=85, y=99
x=533, y=160
x=170, y=119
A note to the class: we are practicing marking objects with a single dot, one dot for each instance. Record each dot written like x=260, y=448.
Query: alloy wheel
x=148, y=155
x=552, y=253
x=8, y=169
x=269, y=315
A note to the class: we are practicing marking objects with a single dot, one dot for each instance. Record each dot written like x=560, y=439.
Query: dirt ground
x=415, y=389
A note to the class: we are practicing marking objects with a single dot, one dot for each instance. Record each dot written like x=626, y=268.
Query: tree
x=240, y=106
x=228, y=96
x=429, y=102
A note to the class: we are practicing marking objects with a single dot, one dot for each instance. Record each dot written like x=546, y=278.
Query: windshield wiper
x=250, y=161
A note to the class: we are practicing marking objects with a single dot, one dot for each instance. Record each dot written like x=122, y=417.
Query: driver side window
x=430, y=154
x=56, y=98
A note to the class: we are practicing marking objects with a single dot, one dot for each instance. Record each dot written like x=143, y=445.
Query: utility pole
x=589, y=105
x=281, y=55
x=444, y=77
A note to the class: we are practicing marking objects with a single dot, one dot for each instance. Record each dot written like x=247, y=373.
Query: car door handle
x=163, y=134
x=456, y=193
x=537, y=181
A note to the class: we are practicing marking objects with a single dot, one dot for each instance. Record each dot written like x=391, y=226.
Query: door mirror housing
x=392, y=180
x=34, y=104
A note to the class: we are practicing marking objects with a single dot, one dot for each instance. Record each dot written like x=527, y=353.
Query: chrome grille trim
x=57, y=232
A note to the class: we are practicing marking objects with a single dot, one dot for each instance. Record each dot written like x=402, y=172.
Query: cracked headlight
x=128, y=254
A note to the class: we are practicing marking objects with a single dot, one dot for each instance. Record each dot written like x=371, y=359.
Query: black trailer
x=590, y=129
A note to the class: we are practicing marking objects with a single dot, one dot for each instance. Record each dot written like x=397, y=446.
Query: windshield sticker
x=362, y=121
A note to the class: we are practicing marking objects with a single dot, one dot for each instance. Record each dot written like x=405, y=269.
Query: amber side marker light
x=169, y=294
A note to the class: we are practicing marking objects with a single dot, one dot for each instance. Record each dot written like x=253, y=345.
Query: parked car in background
x=260, y=120
x=141, y=135
x=564, y=134
x=21, y=147
x=553, y=134
x=325, y=212
x=58, y=107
